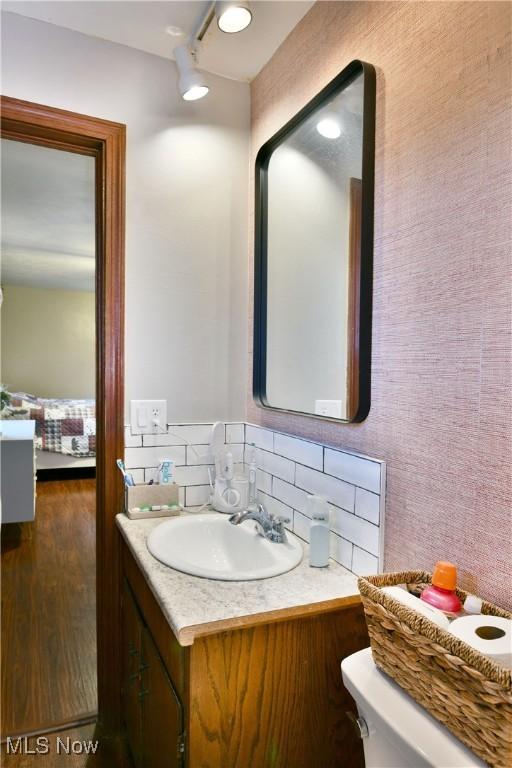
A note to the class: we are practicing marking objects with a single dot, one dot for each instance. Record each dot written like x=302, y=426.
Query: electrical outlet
x=148, y=417
x=331, y=408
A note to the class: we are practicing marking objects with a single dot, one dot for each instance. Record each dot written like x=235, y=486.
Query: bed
x=65, y=429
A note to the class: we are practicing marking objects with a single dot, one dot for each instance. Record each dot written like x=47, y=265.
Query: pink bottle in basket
x=442, y=592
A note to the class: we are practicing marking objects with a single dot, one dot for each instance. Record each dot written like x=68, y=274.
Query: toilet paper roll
x=490, y=635
x=432, y=613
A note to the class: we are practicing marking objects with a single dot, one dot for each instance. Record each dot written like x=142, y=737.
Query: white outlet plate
x=143, y=414
x=330, y=408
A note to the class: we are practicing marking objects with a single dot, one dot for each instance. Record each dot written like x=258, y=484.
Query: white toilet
x=396, y=731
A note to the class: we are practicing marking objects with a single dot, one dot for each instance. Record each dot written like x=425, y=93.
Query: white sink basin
x=212, y=547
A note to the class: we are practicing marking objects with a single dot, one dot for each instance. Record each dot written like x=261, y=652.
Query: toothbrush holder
x=138, y=496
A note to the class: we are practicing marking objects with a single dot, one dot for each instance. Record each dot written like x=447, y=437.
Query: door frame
x=105, y=141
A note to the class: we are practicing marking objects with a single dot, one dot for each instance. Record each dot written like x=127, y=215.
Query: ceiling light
x=233, y=16
x=191, y=84
x=329, y=127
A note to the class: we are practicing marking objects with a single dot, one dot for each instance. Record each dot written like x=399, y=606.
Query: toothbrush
x=228, y=472
x=128, y=478
x=212, y=493
x=252, y=478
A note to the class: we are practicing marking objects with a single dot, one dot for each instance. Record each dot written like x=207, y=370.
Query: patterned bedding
x=62, y=426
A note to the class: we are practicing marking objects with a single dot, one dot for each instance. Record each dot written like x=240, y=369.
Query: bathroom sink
x=210, y=546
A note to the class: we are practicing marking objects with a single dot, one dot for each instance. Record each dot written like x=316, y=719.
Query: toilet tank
x=400, y=733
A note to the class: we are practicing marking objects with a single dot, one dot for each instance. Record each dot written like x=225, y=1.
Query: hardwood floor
x=48, y=614
x=70, y=749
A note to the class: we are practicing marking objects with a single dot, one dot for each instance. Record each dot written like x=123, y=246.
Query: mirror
x=313, y=255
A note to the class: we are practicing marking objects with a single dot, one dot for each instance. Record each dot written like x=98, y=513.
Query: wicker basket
x=463, y=689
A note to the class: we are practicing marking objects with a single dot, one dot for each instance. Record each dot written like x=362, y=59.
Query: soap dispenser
x=318, y=511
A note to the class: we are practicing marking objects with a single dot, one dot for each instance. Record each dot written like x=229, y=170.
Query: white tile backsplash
x=192, y=475
x=264, y=481
x=290, y=494
x=356, y=530
x=368, y=505
x=181, y=434
x=354, y=469
x=163, y=439
x=301, y=525
x=151, y=457
x=235, y=433
x=237, y=451
x=354, y=486
x=199, y=454
x=335, y=491
x=301, y=451
x=288, y=470
x=276, y=507
x=150, y=474
x=262, y=438
x=341, y=550
x=197, y=495
x=364, y=564
x=138, y=475
x=275, y=465
x=131, y=441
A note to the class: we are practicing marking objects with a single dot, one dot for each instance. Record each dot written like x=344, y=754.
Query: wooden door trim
x=105, y=141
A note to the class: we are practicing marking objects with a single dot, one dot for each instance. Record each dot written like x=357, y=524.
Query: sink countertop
x=194, y=606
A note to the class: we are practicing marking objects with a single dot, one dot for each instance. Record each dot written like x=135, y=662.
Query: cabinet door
x=162, y=716
x=131, y=673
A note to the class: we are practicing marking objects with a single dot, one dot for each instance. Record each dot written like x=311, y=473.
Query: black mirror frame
x=336, y=85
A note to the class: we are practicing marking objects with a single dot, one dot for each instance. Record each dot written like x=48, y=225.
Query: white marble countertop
x=194, y=606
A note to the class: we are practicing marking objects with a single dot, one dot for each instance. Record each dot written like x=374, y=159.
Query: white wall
x=186, y=230
x=48, y=341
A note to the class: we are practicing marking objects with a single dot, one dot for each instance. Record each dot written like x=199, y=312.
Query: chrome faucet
x=271, y=527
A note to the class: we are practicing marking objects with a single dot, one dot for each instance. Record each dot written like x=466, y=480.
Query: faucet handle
x=279, y=522
x=277, y=531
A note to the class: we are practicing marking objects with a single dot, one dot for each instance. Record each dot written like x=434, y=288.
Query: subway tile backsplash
x=309, y=454
x=289, y=469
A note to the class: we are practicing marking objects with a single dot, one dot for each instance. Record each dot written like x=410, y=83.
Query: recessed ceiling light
x=329, y=127
x=233, y=16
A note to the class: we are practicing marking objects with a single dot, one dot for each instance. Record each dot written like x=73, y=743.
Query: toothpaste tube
x=166, y=472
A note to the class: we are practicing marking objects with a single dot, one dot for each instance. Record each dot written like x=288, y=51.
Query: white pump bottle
x=318, y=510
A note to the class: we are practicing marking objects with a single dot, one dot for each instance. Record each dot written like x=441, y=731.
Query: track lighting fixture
x=192, y=84
x=233, y=16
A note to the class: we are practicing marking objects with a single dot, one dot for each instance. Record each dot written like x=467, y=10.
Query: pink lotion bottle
x=442, y=592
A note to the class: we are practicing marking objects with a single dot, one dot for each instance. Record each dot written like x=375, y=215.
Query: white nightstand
x=18, y=478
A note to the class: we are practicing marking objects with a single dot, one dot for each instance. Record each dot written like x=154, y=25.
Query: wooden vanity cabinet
x=152, y=712
x=265, y=695
x=132, y=628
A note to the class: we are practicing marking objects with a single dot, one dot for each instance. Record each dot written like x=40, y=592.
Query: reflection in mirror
x=309, y=256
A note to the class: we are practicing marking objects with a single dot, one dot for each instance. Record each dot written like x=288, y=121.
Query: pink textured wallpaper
x=441, y=413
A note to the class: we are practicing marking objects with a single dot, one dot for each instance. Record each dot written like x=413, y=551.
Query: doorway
x=48, y=388
x=103, y=143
